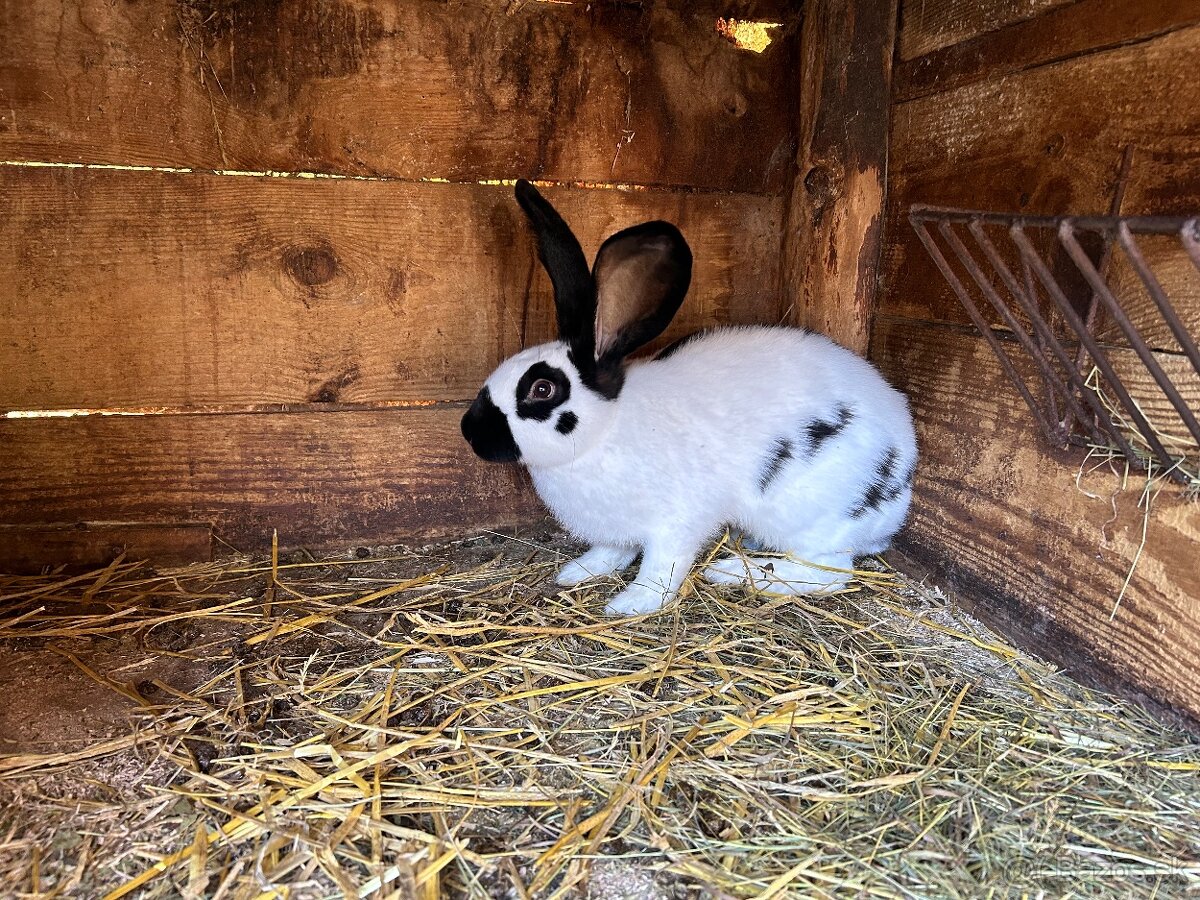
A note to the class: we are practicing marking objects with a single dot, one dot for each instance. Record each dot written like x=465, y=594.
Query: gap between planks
x=627, y=186
x=233, y=409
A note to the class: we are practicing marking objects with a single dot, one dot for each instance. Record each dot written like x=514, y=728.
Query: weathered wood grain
x=927, y=26
x=84, y=545
x=1153, y=403
x=1048, y=140
x=833, y=225
x=1059, y=33
x=145, y=289
x=1000, y=519
x=324, y=479
x=1172, y=267
x=463, y=90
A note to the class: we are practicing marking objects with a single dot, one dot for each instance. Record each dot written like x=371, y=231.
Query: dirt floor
x=440, y=720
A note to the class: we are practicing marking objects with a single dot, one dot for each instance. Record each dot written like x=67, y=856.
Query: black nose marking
x=486, y=429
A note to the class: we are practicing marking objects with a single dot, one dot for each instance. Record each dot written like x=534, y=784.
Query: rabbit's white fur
x=685, y=448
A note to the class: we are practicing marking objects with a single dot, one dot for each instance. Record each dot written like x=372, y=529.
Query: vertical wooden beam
x=834, y=216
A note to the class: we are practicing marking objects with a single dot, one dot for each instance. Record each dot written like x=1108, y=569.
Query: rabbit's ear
x=563, y=259
x=642, y=275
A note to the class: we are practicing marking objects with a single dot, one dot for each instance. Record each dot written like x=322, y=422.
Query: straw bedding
x=440, y=721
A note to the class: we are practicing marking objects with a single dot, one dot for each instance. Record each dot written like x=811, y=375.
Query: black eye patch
x=536, y=400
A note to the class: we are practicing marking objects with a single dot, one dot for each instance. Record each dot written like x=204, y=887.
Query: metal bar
x=1114, y=210
x=1067, y=236
x=1022, y=241
x=1098, y=425
x=1050, y=378
x=1189, y=233
x=1137, y=224
x=985, y=329
x=1159, y=296
x=964, y=255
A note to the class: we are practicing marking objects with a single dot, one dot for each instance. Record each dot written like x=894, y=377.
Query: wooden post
x=834, y=215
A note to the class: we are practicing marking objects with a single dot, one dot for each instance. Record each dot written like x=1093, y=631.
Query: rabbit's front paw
x=636, y=600
x=596, y=562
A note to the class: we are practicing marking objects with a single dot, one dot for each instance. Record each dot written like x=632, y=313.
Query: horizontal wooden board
x=85, y=545
x=1137, y=379
x=1174, y=269
x=1049, y=140
x=325, y=479
x=1151, y=400
x=999, y=518
x=145, y=289
x=927, y=26
x=1060, y=33
x=463, y=90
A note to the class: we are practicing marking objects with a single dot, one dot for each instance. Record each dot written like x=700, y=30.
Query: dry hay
x=439, y=721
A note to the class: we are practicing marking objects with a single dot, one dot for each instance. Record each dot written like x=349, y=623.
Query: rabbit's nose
x=487, y=431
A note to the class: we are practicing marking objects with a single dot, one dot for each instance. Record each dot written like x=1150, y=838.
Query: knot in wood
x=819, y=182
x=823, y=185
x=311, y=266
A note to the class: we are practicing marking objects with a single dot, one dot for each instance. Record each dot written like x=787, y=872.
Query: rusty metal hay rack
x=1053, y=316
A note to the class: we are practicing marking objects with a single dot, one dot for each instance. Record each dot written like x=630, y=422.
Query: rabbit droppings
x=778, y=432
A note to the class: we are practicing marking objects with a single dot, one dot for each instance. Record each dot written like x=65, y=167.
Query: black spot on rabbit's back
x=885, y=486
x=821, y=430
x=781, y=451
x=537, y=408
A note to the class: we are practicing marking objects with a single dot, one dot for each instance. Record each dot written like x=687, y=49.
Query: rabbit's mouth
x=486, y=429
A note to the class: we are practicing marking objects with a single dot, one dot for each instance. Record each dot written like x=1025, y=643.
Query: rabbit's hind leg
x=782, y=575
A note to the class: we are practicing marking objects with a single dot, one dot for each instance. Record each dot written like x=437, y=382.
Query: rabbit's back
x=744, y=388
x=818, y=450
x=774, y=429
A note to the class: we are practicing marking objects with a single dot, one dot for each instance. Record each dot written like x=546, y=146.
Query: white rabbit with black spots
x=778, y=432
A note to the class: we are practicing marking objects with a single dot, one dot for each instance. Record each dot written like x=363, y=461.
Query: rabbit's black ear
x=563, y=259
x=642, y=275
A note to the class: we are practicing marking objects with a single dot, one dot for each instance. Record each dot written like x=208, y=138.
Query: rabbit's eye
x=542, y=389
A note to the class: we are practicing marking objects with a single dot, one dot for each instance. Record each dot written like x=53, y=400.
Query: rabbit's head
x=549, y=404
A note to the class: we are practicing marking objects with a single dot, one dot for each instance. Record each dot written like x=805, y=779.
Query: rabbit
x=774, y=431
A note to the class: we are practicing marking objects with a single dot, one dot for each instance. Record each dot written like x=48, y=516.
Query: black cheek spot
x=566, y=423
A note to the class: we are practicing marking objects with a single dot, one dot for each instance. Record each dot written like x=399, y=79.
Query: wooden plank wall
x=294, y=349
x=1032, y=107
